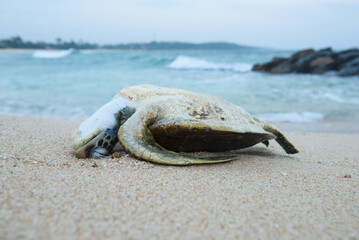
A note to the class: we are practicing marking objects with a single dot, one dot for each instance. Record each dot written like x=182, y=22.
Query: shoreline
x=20, y=50
x=345, y=126
x=14, y=50
x=48, y=193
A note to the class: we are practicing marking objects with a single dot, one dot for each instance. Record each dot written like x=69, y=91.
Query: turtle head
x=97, y=136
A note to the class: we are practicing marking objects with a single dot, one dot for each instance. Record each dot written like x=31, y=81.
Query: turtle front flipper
x=137, y=139
x=281, y=139
x=100, y=146
x=97, y=136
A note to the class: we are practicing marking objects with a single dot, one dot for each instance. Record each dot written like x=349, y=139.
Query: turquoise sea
x=74, y=84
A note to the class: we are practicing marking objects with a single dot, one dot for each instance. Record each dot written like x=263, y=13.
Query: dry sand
x=46, y=193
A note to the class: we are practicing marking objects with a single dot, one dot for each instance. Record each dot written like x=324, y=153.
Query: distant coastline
x=17, y=42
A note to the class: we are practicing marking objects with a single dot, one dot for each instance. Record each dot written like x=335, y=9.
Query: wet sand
x=46, y=193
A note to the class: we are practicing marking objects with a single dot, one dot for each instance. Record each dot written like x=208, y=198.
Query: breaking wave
x=295, y=117
x=52, y=53
x=185, y=62
x=340, y=99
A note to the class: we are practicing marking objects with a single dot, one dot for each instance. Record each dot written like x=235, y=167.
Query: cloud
x=276, y=23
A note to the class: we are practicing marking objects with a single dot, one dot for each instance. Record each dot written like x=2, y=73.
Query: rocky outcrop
x=345, y=63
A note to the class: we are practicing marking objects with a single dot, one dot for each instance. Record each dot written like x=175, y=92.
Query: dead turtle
x=157, y=124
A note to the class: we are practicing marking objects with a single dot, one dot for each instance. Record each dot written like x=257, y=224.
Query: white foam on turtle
x=104, y=117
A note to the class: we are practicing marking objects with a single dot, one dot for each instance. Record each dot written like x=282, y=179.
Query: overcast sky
x=282, y=24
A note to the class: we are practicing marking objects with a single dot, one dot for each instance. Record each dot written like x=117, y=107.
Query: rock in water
x=350, y=68
x=315, y=62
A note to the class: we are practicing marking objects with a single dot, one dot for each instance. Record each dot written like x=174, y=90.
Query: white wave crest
x=296, y=117
x=52, y=53
x=337, y=98
x=185, y=62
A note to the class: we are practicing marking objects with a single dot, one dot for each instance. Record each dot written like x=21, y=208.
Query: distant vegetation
x=17, y=42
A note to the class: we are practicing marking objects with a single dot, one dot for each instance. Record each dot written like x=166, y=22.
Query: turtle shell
x=187, y=121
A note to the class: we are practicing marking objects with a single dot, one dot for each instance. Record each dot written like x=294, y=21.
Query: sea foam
x=52, y=53
x=185, y=62
x=340, y=99
x=295, y=117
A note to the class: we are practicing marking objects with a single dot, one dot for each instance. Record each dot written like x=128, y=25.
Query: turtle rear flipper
x=281, y=139
x=137, y=139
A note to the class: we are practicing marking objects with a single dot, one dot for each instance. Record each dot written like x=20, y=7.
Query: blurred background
x=65, y=59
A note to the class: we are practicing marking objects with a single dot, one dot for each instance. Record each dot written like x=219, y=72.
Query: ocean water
x=73, y=84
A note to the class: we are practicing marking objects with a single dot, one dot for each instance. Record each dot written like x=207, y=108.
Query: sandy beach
x=46, y=193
